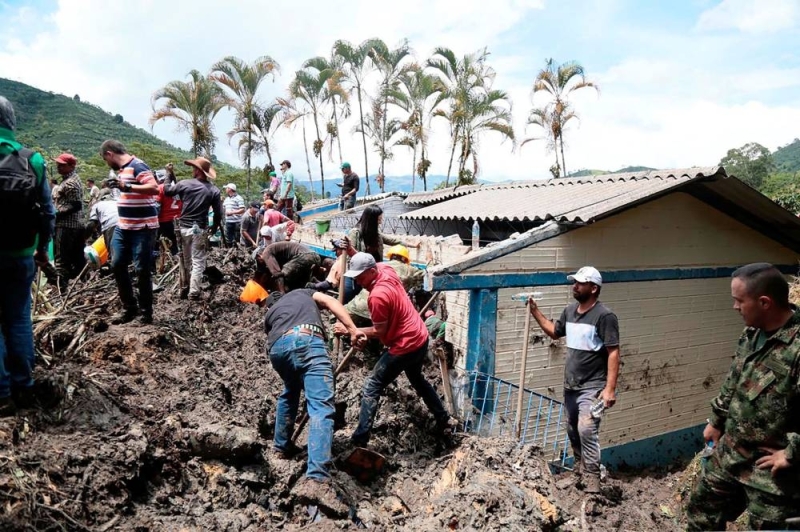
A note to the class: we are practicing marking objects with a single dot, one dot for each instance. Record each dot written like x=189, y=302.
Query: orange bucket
x=253, y=293
x=97, y=253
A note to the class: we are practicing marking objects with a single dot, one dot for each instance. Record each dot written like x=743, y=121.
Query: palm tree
x=418, y=89
x=559, y=81
x=462, y=79
x=314, y=85
x=373, y=122
x=265, y=122
x=340, y=103
x=356, y=63
x=193, y=104
x=543, y=117
x=484, y=112
x=242, y=81
x=390, y=63
x=290, y=114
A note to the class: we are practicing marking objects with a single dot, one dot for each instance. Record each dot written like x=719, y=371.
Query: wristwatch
x=126, y=187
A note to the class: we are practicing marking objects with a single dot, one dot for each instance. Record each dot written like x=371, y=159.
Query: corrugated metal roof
x=565, y=200
x=435, y=196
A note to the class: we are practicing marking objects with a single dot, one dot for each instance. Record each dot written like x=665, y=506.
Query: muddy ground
x=168, y=427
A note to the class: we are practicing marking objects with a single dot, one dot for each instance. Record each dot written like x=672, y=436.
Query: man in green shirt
x=26, y=223
x=286, y=201
x=754, y=427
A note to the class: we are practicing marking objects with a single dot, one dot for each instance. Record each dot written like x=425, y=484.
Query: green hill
x=787, y=158
x=57, y=123
x=54, y=123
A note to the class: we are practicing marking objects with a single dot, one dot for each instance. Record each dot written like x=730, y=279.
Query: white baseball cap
x=587, y=274
x=359, y=263
x=231, y=186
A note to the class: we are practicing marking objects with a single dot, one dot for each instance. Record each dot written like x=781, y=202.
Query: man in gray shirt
x=591, y=368
x=197, y=195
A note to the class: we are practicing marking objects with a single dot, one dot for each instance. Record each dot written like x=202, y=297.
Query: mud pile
x=168, y=427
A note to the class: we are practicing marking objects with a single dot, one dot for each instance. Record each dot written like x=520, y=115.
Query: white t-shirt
x=105, y=213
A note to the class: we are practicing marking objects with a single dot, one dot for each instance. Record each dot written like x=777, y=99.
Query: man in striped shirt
x=136, y=230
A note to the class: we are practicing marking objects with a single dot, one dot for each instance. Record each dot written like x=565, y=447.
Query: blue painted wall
x=481, y=341
x=520, y=279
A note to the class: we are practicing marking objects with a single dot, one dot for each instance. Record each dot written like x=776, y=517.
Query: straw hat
x=204, y=165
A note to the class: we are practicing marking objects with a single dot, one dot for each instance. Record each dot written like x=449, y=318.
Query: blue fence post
x=481, y=339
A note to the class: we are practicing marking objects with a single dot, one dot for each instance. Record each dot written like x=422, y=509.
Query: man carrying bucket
x=103, y=215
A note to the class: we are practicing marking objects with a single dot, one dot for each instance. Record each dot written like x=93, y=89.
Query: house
x=666, y=243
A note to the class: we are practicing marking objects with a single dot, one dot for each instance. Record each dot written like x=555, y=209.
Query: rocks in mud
x=216, y=441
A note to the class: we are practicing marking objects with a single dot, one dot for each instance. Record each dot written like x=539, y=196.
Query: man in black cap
x=249, y=230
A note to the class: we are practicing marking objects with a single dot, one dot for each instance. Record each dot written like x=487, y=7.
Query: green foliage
x=752, y=163
x=787, y=158
x=57, y=123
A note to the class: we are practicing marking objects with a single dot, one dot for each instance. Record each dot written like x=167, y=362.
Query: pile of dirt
x=168, y=426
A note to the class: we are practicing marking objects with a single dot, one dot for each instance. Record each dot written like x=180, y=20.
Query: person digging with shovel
x=297, y=349
x=399, y=327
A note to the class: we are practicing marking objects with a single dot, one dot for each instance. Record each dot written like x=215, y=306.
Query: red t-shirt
x=389, y=303
x=273, y=218
x=170, y=206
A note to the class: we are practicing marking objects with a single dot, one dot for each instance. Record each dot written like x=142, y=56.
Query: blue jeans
x=232, y=232
x=302, y=361
x=17, y=356
x=348, y=203
x=583, y=430
x=387, y=369
x=137, y=247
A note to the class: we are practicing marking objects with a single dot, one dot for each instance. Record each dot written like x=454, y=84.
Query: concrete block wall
x=677, y=343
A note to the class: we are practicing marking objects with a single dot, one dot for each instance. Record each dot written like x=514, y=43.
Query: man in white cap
x=591, y=368
x=234, y=212
x=397, y=324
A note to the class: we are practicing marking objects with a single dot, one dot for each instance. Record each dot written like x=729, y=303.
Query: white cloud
x=751, y=16
x=656, y=108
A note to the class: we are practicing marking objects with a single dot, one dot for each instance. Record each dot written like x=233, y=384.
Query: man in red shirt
x=396, y=323
x=170, y=209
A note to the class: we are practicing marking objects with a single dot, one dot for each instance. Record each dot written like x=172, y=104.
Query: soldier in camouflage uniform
x=755, y=424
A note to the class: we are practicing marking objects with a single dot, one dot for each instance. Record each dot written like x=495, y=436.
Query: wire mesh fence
x=487, y=406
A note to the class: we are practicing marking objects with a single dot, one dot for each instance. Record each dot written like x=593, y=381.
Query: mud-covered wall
x=678, y=336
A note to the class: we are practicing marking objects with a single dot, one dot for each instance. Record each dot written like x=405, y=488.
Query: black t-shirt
x=589, y=336
x=349, y=183
x=294, y=308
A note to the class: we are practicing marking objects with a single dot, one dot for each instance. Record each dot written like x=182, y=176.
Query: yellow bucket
x=253, y=293
x=97, y=253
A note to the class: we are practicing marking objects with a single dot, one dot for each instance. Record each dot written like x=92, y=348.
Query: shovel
x=363, y=464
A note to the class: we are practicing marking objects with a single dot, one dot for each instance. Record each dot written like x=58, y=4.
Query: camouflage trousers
x=730, y=484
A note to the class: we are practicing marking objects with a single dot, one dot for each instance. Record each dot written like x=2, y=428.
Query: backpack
x=20, y=211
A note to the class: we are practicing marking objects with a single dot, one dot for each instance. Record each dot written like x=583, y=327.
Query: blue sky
x=681, y=82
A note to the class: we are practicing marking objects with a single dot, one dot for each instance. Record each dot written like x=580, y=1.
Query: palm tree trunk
x=563, y=163
x=414, y=167
x=249, y=146
x=363, y=137
x=319, y=140
x=424, y=174
x=338, y=133
x=383, y=136
x=450, y=165
x=308, y=161
x=269, y=153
